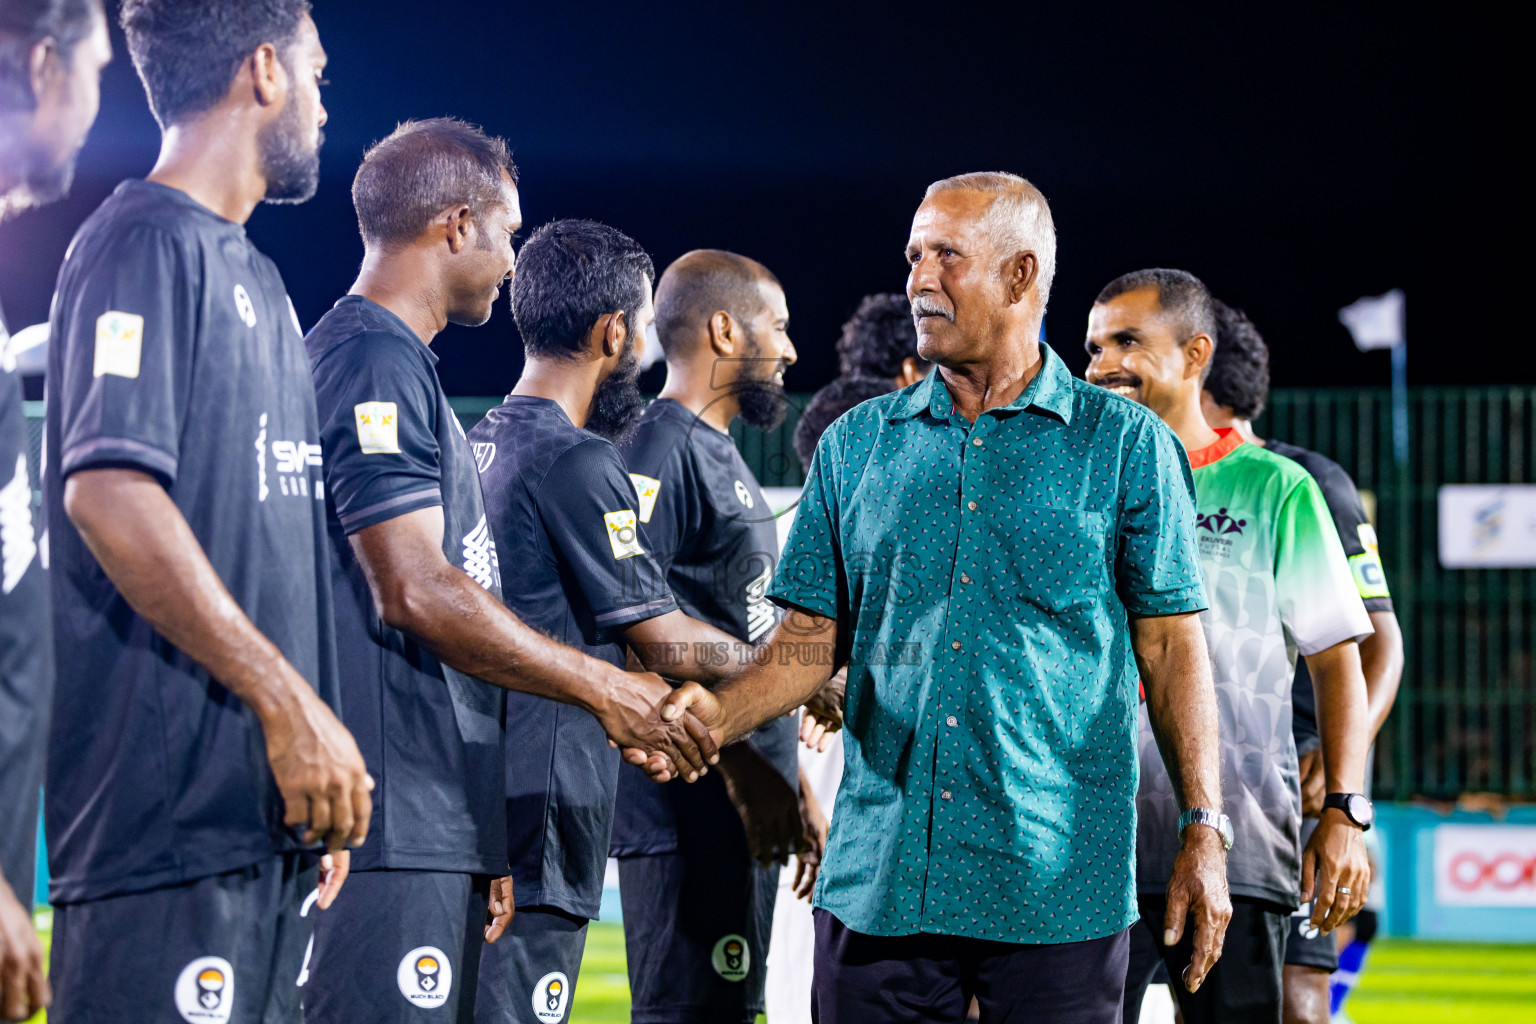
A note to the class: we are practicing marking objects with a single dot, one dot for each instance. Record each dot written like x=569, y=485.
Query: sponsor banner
x=1488, y=526
x=1485, y=865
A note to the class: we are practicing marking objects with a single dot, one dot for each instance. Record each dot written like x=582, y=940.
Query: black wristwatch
x=1357, y=807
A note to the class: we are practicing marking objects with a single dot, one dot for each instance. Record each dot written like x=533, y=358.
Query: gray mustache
x=923, y=306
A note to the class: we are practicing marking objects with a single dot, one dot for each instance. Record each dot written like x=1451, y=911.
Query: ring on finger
x=1344, y=890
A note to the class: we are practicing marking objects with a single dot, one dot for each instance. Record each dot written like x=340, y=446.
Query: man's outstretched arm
x=416, y=590
x=1181, y=704
x=795, y=663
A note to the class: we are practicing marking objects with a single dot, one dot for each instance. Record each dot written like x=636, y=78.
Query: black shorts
x=1245, y=985
x=911, y=979
x=395, y=943
x=529, y=975
x=696, y=930
x=1307, y=947
x=227, y=949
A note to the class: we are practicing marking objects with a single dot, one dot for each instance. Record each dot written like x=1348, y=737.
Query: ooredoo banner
x=1485, y=865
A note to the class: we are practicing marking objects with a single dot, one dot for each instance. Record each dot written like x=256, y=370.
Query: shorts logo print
x=551, y=996
x=205, y=991
x=425, y=977
x=732, y=958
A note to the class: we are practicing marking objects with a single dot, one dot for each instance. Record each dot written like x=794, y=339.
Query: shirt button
x=971, y=505
x=946, y=795
x=964, y=578
x=976, y=441
x=955, y=644
x=951, y=721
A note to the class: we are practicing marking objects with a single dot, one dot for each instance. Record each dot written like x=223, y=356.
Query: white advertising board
x=1490, y=526
x=1485, y=865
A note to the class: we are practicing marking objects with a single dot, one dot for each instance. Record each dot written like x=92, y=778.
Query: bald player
x=698, y=864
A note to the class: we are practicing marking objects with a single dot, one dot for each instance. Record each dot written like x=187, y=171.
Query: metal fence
x=1465, y=719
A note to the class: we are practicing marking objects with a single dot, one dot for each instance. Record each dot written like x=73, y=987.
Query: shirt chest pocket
x=1053, y=558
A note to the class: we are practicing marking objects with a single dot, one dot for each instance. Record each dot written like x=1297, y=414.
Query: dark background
x=1295, y=160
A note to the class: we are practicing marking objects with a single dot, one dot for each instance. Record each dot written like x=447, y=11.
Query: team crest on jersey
x=744, y=494
x=119, y=342
x=623, y=533
x=244, y=306
x=646, y=489
x=425, y=977
x=1220, y=523
x=378, y=427
x=485, y=454
x=551, y=996
x=732, y=958
x=205, y=991
x=18, y=541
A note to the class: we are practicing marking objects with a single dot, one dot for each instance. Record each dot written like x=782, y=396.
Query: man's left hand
x=1334, y=861
x=1198, y=886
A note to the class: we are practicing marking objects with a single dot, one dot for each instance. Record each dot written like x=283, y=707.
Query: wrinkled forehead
x=953, y=216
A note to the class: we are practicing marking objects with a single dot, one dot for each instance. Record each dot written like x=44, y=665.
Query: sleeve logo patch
x=646, y=489
x=623, y=533
x=378, y=428
x=119, y=341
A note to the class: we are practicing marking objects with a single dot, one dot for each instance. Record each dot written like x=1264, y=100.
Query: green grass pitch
x=1406, y=982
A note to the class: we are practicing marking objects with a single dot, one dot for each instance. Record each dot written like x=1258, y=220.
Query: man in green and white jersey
x=1278, y=585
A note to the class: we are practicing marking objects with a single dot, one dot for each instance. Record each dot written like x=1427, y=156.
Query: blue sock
x=1351, y=962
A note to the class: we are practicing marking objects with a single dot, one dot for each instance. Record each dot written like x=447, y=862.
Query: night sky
x=1294, y=159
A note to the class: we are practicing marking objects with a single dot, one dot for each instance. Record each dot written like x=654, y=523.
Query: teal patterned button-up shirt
x=980, y=576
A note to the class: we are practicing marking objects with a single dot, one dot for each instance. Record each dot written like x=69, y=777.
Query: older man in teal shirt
x=993, y=552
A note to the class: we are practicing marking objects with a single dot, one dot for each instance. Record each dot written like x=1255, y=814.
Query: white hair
x=1018, y=220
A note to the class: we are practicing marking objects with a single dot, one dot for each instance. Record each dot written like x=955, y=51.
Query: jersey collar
x=1228, y=440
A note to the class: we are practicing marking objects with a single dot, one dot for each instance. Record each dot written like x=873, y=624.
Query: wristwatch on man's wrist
x=1357, y=807
x=1214, y=819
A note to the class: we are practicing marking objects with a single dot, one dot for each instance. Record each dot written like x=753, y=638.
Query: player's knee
x=1306, y=995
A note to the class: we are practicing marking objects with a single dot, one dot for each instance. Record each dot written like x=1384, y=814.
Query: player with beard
x=51, y=56
x=1235, y=394
x=195, y=755
x=723, y=324
x=561, y=507
x=1278, y=586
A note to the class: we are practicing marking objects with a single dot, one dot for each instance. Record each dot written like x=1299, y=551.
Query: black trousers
x=1245, y=985
x=875, y=979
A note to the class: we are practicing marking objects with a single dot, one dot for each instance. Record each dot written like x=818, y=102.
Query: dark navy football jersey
x=1359, y=538
x=26, y=651
x=176, y=352
x=705, y=516
x=392, y=446
x=563, y=512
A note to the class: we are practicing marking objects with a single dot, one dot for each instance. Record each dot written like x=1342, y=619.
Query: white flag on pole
x=1377, y=321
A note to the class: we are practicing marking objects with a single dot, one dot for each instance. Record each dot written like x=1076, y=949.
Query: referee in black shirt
x=1235, y=394
x=51, y=60
x=195, y=754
